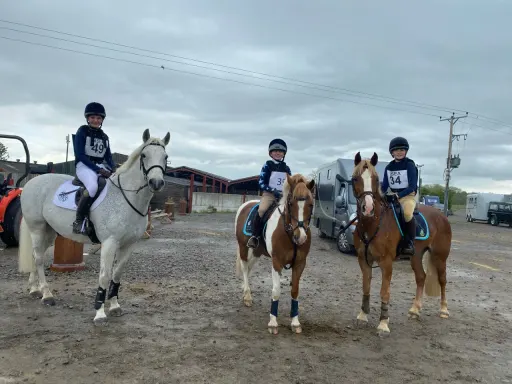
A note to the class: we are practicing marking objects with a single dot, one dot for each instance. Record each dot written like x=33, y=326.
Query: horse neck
x=130, y=181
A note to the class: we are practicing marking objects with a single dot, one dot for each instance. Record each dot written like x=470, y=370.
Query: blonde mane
x=136, y=154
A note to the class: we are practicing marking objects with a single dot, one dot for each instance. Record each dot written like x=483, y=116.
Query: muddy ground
x=184, y=320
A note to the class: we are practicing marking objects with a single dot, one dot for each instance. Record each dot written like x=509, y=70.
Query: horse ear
x=145, y=135
x=357, y=159
x=374, y=159
x=167, y=138
x=311, y=184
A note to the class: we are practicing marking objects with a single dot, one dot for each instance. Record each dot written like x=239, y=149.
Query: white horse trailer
x=477, y=205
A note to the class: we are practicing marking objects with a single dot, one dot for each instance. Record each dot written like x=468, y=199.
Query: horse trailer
x=477, y=205
x=335, y=204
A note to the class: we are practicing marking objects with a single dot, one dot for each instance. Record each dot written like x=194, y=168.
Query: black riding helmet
x=277, y=145
x=398, y=143
x=95, y=109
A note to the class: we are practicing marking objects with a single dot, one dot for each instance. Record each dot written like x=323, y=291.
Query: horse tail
x=432, y=286
x=26, y=262
x=238, y=264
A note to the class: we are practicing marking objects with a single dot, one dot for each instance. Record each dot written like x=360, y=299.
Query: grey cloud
x=453, y=55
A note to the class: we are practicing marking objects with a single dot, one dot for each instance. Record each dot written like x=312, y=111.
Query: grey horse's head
x=153, y=160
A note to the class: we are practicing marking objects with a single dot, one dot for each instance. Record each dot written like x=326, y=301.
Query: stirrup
x=253, y=238
x=77, y=226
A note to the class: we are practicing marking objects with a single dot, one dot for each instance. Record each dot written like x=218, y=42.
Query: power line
x=233, y=80
x=316, y=85
x=214, y=77
x=319, y=87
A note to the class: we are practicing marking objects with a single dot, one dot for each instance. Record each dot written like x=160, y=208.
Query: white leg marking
x=108, y=252
x=100, y=317
x=276, y=292
x=33, y=285
x=246, y=288
x=115, y=308
x=367, y=180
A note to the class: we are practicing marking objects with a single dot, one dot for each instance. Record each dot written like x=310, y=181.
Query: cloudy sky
x=444, y=56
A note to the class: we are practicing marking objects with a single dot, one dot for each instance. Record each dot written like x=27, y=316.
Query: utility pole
x=452, y=119
x=419, y=180
x=67, y=148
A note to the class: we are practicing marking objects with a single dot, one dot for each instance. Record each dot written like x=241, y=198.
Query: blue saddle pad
x=422, y=229
x=249, y=220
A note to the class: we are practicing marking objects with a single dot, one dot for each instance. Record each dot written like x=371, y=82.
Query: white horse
x=119, y=217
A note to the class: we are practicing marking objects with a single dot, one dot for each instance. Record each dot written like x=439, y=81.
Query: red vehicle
x=10, y=206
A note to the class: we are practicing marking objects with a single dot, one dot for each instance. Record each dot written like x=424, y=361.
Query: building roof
x=197, y=172
x=245, y=180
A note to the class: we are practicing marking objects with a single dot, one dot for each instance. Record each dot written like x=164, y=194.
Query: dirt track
x=184, y=320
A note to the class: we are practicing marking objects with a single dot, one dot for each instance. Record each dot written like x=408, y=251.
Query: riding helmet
x=94, y=109
x=398, y=143
x=277, y=145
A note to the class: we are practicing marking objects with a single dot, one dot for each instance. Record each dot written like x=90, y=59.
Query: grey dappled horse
x=119, y=219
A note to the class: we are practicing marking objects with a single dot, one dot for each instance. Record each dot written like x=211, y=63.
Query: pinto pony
x=378, y=237
x=286, y=239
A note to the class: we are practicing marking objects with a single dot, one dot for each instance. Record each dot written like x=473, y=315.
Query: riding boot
x=81, y=211
x=254, y=241
x=410, y=237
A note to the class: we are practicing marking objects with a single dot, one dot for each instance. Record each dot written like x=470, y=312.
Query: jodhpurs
x=408, y=204
x=88, y=177
x=266, y=201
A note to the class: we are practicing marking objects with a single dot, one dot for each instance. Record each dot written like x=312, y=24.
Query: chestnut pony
x=286, y=238
x=377, y=238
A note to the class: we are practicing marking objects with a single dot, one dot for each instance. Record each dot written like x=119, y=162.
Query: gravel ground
x=184, y=320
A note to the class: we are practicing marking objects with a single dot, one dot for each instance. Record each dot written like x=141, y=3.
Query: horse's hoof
x=413, y=314
x=248, y=303
x=444, y=314
x=100, y=321
x=296, y=329
x=117, y=311
x=48, y=301
x=382, y=333
x=36, y=294
x=272, y=330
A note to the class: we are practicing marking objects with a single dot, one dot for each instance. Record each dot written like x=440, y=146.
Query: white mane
x=136, y=154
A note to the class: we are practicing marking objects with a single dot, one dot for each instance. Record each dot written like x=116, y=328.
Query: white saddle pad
x=65, y=196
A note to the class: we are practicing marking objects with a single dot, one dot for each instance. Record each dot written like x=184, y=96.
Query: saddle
x=263, y=221
x=422, y=229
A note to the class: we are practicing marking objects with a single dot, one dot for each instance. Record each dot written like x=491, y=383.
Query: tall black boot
x=410, y=236
x=83, y=207
x=254, y=240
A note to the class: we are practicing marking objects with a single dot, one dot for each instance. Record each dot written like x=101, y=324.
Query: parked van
x=477, y=205
x=335, y=204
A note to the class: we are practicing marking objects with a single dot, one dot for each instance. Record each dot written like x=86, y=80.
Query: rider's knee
x=92, y=189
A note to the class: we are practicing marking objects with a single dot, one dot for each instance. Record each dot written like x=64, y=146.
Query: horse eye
x=143, y=156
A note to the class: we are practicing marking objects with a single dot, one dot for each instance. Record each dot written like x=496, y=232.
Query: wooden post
x=204, y=183
x=190, y=193
x=68, y=255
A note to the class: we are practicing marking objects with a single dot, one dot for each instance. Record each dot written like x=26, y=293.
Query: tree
x=456, y=196
x=4, y=155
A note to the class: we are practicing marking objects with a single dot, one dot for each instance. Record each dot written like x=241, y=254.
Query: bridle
x=288, y=218
x=364, y=237
x=145, y=172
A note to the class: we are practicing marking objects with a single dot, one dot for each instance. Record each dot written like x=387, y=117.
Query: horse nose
x=156, y=184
